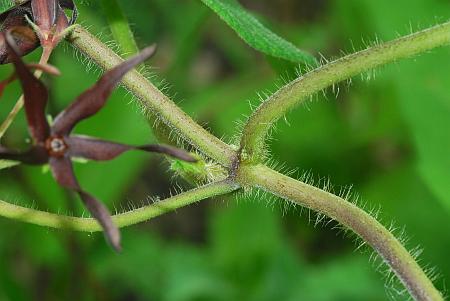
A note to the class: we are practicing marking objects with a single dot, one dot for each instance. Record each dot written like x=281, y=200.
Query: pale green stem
x=301, y=89
x=46, y=219
x=124, y=37
x=349, y=215
x=154, y=100
x=352, y=217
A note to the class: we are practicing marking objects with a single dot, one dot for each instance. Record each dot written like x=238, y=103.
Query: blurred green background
x=387, y=137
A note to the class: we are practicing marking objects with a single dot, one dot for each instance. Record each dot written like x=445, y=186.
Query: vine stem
x=124, y=37
x=58, y=221
x=352, y=217
x=154, y=100
x=256, y=175
x=294, y=93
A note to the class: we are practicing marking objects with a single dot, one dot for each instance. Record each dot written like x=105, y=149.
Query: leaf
x=5, y=5
x=255, y=34
x=425, y=103
x=120, y=27
x=422, y=87
x=4, y=164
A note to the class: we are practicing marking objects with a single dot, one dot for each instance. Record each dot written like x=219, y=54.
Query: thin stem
x=120, y=27
x=20, y=102
x=285, y=99
x=349, y=215
x=154, y=100
x=124, y=36
x=129, y=218
x=352, y=217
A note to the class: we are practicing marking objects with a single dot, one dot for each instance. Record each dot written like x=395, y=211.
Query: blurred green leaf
x=425, y=101
x=256, y=34
x=7, y=164
x=404, y=197
x=422, y=87
x=119, y=26
x=5, y=5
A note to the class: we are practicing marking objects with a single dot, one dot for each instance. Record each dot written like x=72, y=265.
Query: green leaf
x=120, y=28
x=5, y=5
x=422, y=87
x=255, y=34
x=7, y=164
x=425, y=103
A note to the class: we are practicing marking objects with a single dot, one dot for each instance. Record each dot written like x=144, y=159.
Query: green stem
x=154, y=100
x=129, y=218
x=124, y=37
x=372, y=232
x=288, y=97
x=120, y=27
x=352, y=217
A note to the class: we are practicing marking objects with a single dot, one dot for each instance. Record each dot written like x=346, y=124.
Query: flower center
x=56, y=146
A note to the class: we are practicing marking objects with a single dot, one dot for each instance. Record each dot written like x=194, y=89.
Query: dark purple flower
x=56, y=146
x=50, y=20
x=49, y=69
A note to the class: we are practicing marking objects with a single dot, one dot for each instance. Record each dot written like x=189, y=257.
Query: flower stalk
x=249, y=172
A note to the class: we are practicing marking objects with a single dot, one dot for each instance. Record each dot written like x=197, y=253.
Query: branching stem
x=299, y=90
x=250, y=173
x=154, y=100
x=58, y=221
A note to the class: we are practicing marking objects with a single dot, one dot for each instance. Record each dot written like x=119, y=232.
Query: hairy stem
x=285, y=99
x=123, y=35
x=349, y=215
x=352, y=217
x=154, y=100
x=129, y=218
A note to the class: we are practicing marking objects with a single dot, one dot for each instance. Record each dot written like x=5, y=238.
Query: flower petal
x=34, y=156
x=5, y=83
x=35, y=95
x=45, y=13
x=24, y=8
x=94, y=149
x=43, y=67
x=168, y=150
x=63, y=173
x=91, y=101
x=101, y=150
x=69, y=4
x=24, y=36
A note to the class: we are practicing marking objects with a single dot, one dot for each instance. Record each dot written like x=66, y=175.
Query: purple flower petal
x=101, y=150
x=93, y=100
x=24, y=36
x=35, y=156
x=94, y=149
x=63, y=173
x=35, y=95
x=45, y=13
x=69, y=4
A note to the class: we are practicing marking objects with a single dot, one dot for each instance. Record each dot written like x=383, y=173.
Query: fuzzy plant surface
x=243, y=165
